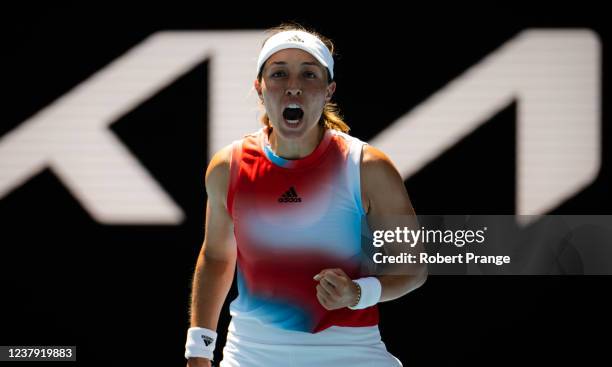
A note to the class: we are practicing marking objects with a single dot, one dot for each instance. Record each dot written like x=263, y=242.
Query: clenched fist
x=335, y=289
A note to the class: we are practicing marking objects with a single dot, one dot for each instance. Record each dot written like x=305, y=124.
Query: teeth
x=294, y=105
x=293, y=121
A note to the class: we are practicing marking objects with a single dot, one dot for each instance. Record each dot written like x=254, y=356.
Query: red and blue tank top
x=292, y=219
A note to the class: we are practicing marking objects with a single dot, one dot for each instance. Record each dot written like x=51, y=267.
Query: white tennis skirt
x=252, y=344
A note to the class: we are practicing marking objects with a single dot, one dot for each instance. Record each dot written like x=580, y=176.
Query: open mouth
x=293, y=113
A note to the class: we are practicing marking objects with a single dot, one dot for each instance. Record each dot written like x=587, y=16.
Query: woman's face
x=294, y=89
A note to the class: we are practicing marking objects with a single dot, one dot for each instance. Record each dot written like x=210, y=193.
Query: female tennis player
x=284, y=213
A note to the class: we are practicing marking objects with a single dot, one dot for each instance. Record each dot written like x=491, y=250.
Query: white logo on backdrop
x=554, y=75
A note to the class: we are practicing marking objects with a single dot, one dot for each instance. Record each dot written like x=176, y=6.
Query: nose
x=293, y=87
x=293, y=92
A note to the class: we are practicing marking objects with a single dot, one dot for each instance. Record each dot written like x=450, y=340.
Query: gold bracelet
x=358, y=294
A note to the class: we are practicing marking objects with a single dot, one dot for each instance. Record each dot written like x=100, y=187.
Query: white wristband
x=200, y=343
x=370, y=292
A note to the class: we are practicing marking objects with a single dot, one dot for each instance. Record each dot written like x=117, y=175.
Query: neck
x=296, y=148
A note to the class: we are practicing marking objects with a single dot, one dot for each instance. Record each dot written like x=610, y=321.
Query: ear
x=257, y=86
x=331, y=89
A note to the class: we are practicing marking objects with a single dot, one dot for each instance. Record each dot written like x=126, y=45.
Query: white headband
x=297, y=39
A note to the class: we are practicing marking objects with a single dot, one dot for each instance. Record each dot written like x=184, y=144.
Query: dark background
x=120, y=293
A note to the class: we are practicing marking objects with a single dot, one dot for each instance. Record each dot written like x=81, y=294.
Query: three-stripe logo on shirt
x=290, y=196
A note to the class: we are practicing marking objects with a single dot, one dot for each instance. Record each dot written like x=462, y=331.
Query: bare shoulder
x=382, y=185
x=376, y=166
x=218, y=173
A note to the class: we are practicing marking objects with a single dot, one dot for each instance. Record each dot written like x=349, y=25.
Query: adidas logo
x=290, y=196
x=207, y=340
x=295, y=39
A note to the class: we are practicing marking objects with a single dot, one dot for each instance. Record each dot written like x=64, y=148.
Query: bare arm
x=386, y=202
x=384, y=194
x=216, y=262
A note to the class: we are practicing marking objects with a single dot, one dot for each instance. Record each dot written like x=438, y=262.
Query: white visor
x=297, y=39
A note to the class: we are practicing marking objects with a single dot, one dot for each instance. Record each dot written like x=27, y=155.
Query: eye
x=278, y=74
x=310, y=75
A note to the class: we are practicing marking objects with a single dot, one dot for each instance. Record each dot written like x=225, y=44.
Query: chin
x=293, y=130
